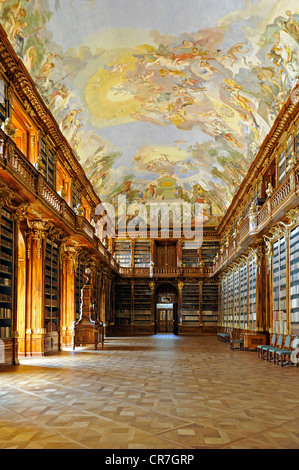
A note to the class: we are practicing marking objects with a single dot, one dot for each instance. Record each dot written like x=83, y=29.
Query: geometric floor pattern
x=152, y=392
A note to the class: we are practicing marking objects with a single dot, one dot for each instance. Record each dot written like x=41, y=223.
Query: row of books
x=5, y=298
x=5, y=332
x=4, y=281
x=5, y=312
x=5, y=268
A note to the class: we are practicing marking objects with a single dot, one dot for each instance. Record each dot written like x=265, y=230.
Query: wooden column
x=200, y=284
x=133, y=253
x=19, y=286
x=112, y=300
x=153, y=319
x=132, y=303
x=288, y=312
x=68, y=263
x=180, y=253
x=180, y=303
x=21, y=295
x=259, y=292
x=101, y=296
x=35, y=288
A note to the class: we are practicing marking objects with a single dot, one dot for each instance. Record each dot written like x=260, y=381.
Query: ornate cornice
x=25, y=88
x=264, y=156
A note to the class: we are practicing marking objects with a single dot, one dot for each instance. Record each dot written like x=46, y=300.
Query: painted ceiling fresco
x=161, y=98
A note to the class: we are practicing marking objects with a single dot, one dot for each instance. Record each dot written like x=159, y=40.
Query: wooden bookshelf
x=51, y=295
x=294, y=279
x=230, y=304
x=210, y=292
x=243, y=296
x=209, y=249
x=6, y=274
x=142, y=253
x=252, y=295
x=123, y=303
x=142, y=304
x=279, y=286
x=190, y=255
x=190, y=304
x=122, y=251
x=236, y=321
x=223, y=301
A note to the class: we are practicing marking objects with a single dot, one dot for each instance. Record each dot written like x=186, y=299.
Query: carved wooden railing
x=84, y=226
x=49, y=195
x=11, y=158
x=20, y=165
x=243, y=230
x=166, y=271
x=282, y=193
x=255, y=222
x=202, y=271
x=68, y=214
x=263, y=214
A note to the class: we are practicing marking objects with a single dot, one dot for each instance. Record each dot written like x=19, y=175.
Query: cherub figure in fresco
x=11, y=16
x=208, y=68
x=237, y=49
x=2, y=2
x=236, y=95
x=267, y=73
x=30, y=58
x=221, y=56
x=287, y=47
x=46, y=67
x=292, y=25
x=184, y=56
x=68, y=125
x=63, y=100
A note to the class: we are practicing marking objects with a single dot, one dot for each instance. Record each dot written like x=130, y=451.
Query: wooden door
x=166, y=255
x=165, y=320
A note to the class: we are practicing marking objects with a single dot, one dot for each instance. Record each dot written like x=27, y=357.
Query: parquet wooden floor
x=157, y=392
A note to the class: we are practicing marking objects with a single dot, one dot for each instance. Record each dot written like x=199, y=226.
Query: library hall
x=149, y=226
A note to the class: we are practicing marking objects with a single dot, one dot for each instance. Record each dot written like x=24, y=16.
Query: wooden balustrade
x=203, y=271
x=263, y=214
x=288, y=188
x=141, y=272
x=88, y=229
x=20, y=165
x=244, y=229
x=50, y=196
x=68, y=214
x=15, y=161
x=166, y=271
x=279, y=196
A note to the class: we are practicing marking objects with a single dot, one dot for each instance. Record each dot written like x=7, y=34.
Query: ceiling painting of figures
x=163, y=91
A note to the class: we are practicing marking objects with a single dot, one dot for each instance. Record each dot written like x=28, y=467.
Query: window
x=297, y=141
x=47, y=162
x=284, y=165
x=76, y=196
x=3, y=100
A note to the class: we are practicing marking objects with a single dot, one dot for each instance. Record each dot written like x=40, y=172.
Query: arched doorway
x=166, y=309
